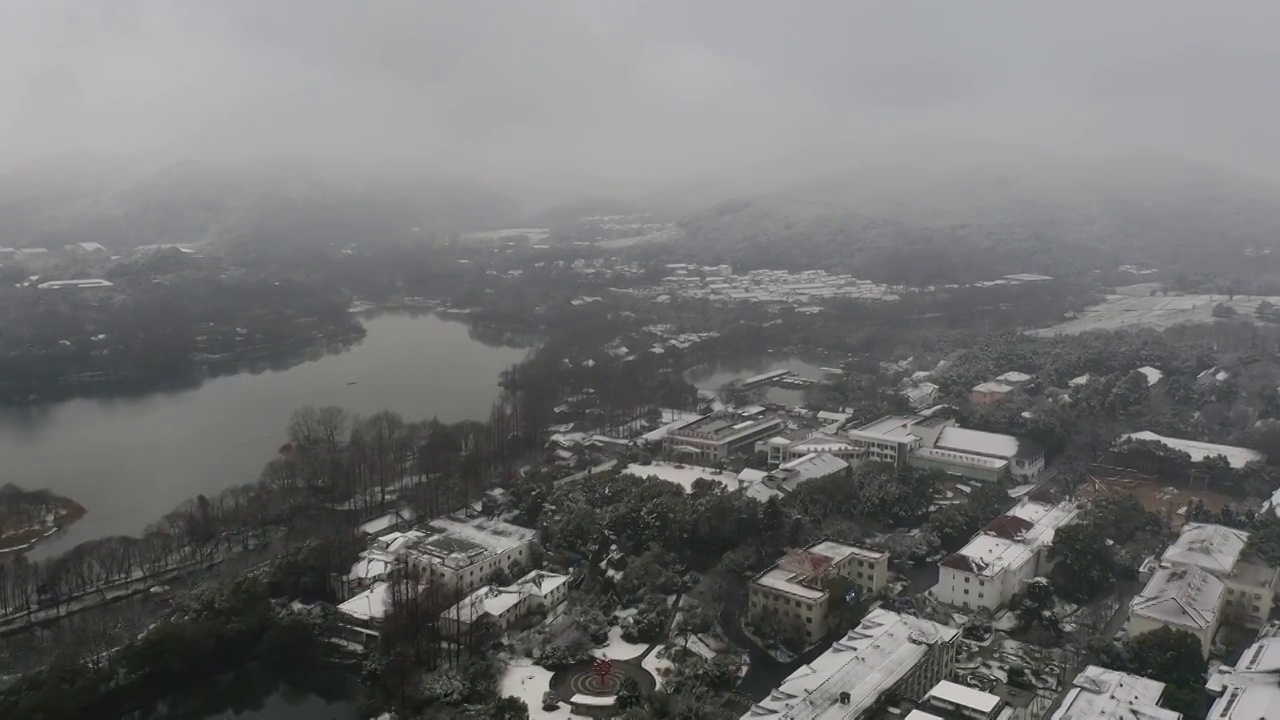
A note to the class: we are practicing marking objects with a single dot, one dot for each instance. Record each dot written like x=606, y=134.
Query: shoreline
x=22, y=541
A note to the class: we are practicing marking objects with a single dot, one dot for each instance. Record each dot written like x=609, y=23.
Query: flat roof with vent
x=1099, y=693
x=866, y=663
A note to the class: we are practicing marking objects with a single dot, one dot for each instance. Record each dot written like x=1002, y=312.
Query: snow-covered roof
x=1238, y=457
x=1012, y=539
x=964, y=696
x=838, y=551
x=1013, y=376
x=1185, y=596
x=1080, y=380
x=810, y=467
x=675, y=421
x=461, y=543
x=977, y=442
x=1102, y=694
x=377, y=525
x=489, y=600
x=1249, y=691
x=1153, y=375
x=372, y=604
x=992, y=387
x=682, y=475
x=866, y=663
x=1215, y=548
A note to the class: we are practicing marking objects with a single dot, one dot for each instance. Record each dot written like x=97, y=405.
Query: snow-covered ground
x=528, y=682
x=619, y=649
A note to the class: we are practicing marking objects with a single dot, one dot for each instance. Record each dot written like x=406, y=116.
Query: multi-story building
x=1182, y=598
x=999, y=561
x=888, y=654
x=1023, y=459
x=1101, y=694
x=793, y=588
x=715, y=437
x=938, y=444
x=502, y=606
x=1249, y=691
x=1220, y=551
x=892, y=438
x=462, y=554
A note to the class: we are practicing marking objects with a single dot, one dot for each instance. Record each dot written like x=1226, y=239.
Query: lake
x=129, y=461
x=713, y=376
x=256, y=693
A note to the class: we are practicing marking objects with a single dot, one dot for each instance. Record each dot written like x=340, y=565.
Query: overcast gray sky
x=649, y=90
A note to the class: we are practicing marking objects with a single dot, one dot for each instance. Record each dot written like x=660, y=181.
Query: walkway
x=602, y=467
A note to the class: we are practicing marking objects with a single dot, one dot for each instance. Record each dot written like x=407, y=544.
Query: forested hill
x=920, y=225
x=62, y=200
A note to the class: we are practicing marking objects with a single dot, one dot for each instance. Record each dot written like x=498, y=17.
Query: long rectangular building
x=888, y=653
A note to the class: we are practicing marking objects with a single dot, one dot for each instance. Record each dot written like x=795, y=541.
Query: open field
x=1134, y=306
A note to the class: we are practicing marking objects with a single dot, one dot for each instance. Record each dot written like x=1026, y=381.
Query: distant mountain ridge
x=71, y=199
x=969, y=221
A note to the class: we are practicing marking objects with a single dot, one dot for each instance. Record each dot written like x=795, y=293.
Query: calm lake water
x=255, y=693
x=130, y=461
x=714, y=376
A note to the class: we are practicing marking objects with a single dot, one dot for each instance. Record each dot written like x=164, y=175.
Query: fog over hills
x=1013, y=214
x=121, y=202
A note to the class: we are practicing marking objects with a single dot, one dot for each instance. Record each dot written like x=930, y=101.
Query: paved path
x=602, y=467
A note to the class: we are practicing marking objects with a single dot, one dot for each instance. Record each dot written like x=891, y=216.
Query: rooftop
x=1250, y=690
x=1013, y=538
x=372, y=604
x=964, y=696
x=890, y=426
x=460, y=544
x=1238, y=457
x=1013, y=376
x=1102, y=694
x=866, y=663
x=992, y=387
x=810, y=467
x=1185, y=596
x=1215, y=548
x=723, y=427
x=1153, y=375
x=977, y=442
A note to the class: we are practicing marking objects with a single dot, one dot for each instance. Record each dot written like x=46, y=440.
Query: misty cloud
x=592, y=91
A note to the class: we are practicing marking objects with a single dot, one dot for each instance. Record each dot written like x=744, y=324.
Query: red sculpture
x=602, y=668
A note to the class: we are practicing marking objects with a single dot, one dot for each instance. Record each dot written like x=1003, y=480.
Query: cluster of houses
x=454, y=557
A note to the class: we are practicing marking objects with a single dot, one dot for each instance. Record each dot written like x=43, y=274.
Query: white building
x=1181, y=598
x=956, y=700
x=464, y=553
x=504, y=605
x=1024, y=460
x=793, y=587
x=362, y=615
x=1237, y=457
x=715, y=437
x=1218, y=550
x=1101, y=694
x=892, y=438
x=888, y=653
x=1001, y=559
x=1249, y=691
